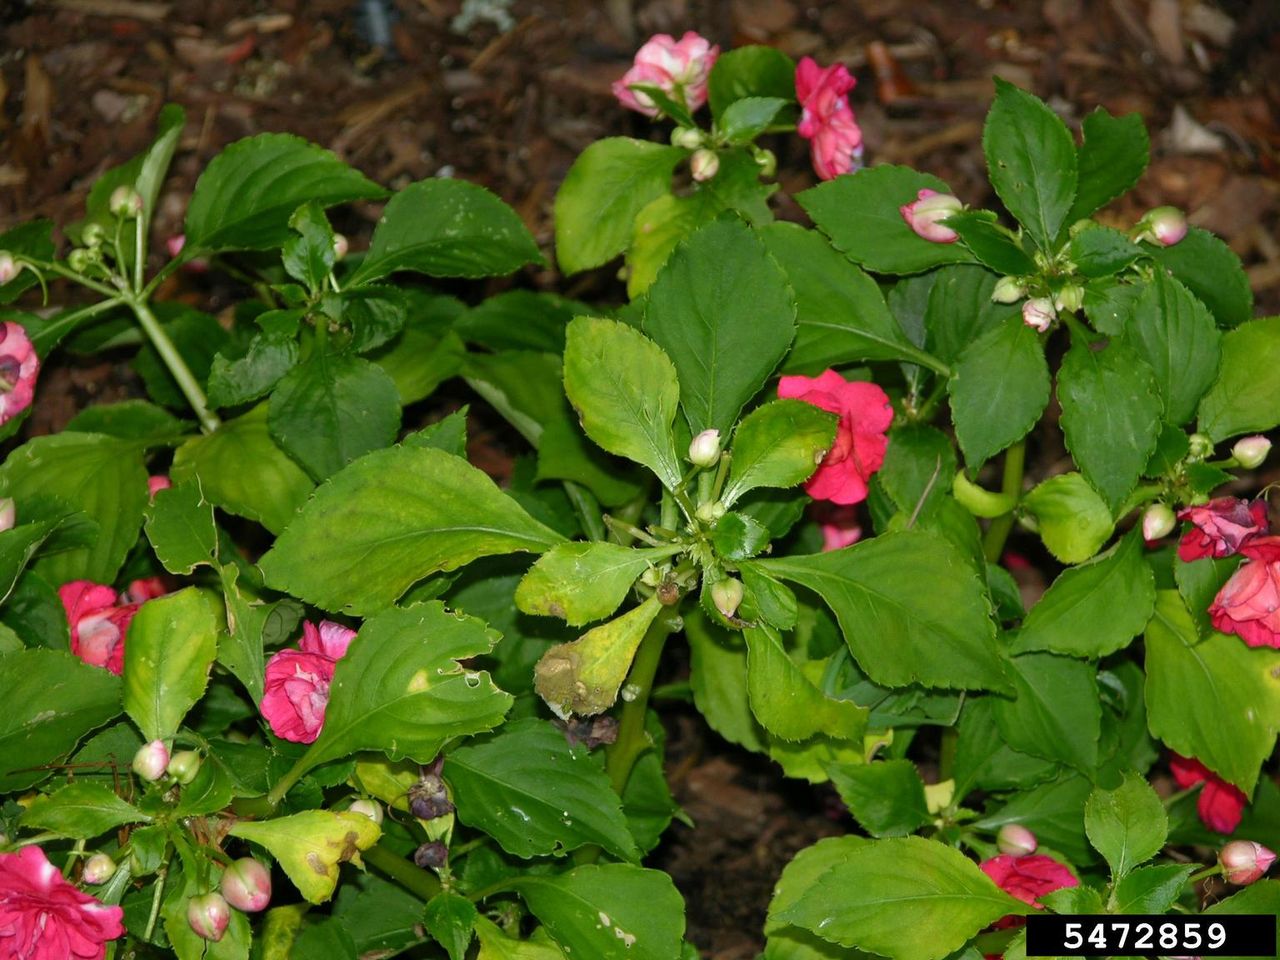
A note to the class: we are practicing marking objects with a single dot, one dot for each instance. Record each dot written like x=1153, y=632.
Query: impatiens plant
x=288, y=675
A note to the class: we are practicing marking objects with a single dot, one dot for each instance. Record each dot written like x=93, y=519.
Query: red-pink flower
x=925, y=214
x=826, y=119
x=1221, y=527
x=43, y=917
x=839, y=526
x=297, y=685
x=98, y=622
x=1248, y=604
x=156, y=483
x=1220, y=804
x=147, y=588
x=860, y=442
x=1028, y=878
x=680, y=68
x=19, y=367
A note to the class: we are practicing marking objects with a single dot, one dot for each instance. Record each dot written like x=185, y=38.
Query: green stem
x=1204, y=874
x=177, y=366
x=69, y=274
x=156, y=897
x=419, y=882
x=622, y=754
x=285, y=783
x=138, y=256
x=1015, y=460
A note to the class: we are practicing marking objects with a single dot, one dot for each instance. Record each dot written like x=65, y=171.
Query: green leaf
x=448, y=434
x=180, y=528
x=1108, y=303
x=718, y=679
x=1175, y=334
x=450, y=919
x=309, y=255
x=998, y=390
x=909, y=898
x=1151, y=889
x=1054, y=812
x=1111, y=159
x=1261, y=897
x=535, y=795
x=625, y=390
x=564, y=453
x=1056, y=713
x=581, y=582
x=248, y=192
x=607, y=186
x=186, y=943
x=1199, y=582
x=1099, y=251
x=1211, y=270
x=240, y=648
x=786, y=942
x=694, y=313
x=447, y=228
x=609, y=911
x=1245, y=397
x=841, y=313
x=751, y=71
x=990, y=243
x=786, y=702
x=1127, y=825
x=405, y=513
x=20, y=544
x=269, y=357
x=960, y=309
x=746, y=118
x=779, y=444
x=241, y=470
x=984, y=761
x=374, y=314
x=860, y=214
x=102, y=476
x=496, y=945
x=54, y=700
x=1213, y=699
x=131, y=420
x=1110, y=416
x=900, y=634
x=332, y=409
x=427, y=352
x=81, y=811
x=885, y=797
x=400, y=688
x=309, y=846
x=739, y=536
x=198, y=338
x=163, y=679
x=1074, y=522
x=1032, y=162
x=1094, y=609
x=35, y=240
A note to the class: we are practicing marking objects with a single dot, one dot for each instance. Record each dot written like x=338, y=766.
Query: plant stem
x=622, y=754
x=177, y=366
x=138, y=256
x=156, y=897
x=1015, y=459
x=419, y=882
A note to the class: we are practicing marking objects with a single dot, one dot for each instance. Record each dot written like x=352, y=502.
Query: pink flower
x=1248, y=604
x=826, y=119
x=156, y=483
x=839, y=526
x=925, y=213
x=42, y=917
x=679, y=68
x=19, y=367
x=1221, y=528
x=1220, y=804
x=1244, y=861
x=297, y=685
x=98, y=623
x=1028, y=878
x=860, y=442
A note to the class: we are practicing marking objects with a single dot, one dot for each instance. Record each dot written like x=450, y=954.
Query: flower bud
x=1039, y=313
x=726, y=594
x=431, y=856
x=125, y=202
x=80, y=259
x=98, y=869
x=92, y=235
x=710, y=512
x=1158, y=521
x=1016, y=840
x=173, y=245
x=1244, y=861
x=340, y=246
x=8, y=514
x=704, y=450
x=1008, y=290
x=9, y=267
x=246, y=885
x=1251, y=451
x=208, y=916
x=1070, y=298
x=150, y=761
x=367, y=808
x=1163, y=225
x=767, y=161
x=704, y=165
x=688, y=137
x=429, y=798
x=183, y=766
x=1199, y=446
x=923, y=215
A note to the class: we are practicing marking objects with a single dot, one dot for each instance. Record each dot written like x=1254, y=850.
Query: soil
x=402, y=90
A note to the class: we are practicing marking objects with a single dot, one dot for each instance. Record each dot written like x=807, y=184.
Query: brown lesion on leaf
x=317, y=864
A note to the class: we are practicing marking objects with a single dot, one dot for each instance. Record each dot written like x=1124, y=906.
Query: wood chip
x=1164, y=20
x=133, y=9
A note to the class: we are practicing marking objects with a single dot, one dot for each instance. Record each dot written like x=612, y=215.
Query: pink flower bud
x=1251, y=451
x=1039, y=313
x=125, y=202
x=340, y=246
x=208, y=916
x=1008, y=290
x=704, y=165
x=1016, y=840
x=98, y=869
x=151, y=760
x=726, y=594
x=924, y=214
x=1158, y=521
x=367, y=808
x=1244, y=861
x=246, y=884
x=156, y=483
x=175, y=243
x=1163, y=225
x=183, y=766
x=9, y=268
x=8, y=514
x=704, y=450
